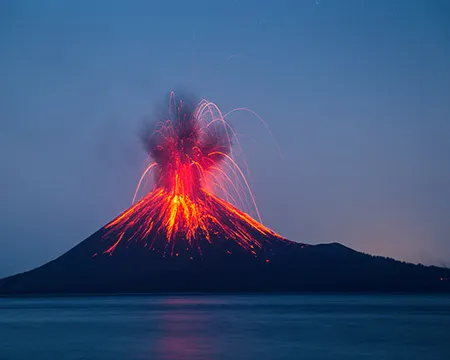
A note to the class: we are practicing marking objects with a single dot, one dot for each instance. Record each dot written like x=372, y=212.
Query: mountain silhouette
x=183, y=237
x=221, y=264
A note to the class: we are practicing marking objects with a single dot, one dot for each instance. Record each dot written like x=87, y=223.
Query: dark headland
x=222, y=266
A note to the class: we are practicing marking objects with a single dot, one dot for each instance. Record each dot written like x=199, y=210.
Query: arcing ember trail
x=193, y=159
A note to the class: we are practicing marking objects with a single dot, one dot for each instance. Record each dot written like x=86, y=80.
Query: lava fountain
x=198, y=188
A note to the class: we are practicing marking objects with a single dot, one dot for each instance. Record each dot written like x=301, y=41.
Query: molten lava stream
x=188, y=149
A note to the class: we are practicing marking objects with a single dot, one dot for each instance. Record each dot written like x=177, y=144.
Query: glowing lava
x=193, y=160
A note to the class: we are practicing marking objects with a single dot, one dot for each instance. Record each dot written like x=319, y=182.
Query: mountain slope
x=223, y=266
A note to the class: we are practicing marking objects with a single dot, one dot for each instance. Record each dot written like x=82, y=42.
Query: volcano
x=189, y=234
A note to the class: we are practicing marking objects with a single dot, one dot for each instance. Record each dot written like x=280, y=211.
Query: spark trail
x=198, y=187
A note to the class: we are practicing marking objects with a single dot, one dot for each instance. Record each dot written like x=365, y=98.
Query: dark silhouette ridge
x=222, y=266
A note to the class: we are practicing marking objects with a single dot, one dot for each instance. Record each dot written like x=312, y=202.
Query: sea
x=225, y=327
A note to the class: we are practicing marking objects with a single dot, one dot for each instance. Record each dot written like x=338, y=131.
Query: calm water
x=226, y=327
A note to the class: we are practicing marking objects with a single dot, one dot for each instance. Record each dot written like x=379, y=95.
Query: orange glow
x=193, y=161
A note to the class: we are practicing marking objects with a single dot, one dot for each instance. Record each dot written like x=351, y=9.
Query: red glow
x=196, y=180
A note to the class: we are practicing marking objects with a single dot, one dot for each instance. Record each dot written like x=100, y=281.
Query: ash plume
x=185, y=130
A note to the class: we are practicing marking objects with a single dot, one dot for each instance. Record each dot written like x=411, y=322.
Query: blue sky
x=356, y=94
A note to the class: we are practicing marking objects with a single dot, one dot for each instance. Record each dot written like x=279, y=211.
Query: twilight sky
x=356, y=93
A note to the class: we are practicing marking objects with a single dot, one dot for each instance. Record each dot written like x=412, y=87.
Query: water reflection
x=262, y=327
x=185, y=331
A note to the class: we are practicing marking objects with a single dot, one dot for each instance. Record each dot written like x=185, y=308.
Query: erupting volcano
x=189, y=231
x=192, y=152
